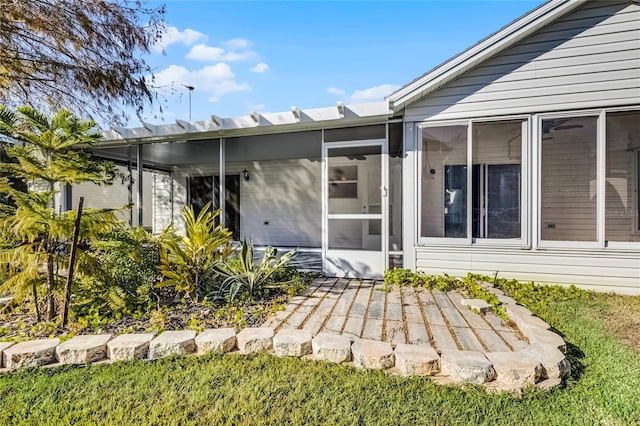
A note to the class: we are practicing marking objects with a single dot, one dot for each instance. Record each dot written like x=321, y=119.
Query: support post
x=139, y=185
x=222, y=193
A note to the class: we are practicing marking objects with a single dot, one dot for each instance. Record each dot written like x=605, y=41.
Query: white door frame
x=379, y=260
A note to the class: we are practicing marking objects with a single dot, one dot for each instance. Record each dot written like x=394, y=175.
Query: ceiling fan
x=555, y=125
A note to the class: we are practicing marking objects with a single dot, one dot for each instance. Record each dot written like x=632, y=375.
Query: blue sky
x=268, y=56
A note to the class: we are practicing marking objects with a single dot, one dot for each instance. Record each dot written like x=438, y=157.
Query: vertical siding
x=589, y=58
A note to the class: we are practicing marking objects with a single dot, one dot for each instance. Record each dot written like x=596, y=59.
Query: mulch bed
x=21, y=324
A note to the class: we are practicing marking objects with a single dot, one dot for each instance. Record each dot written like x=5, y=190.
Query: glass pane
x=444, y=181
x=354, y=234
x=623, y=156
x=569, y=179
x=497, y=164
x=200, y=192
x=354, y=179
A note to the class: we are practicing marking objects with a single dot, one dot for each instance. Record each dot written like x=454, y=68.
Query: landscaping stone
x=466, y=366
x=554, y=364
x=477, y=304
x=128, y=347
x=172, y=343
x=331, y=347
x=372, y=354
x=255, y=339
x=418, y=360
x=506, y=300
x=83, y=349
x=527, y=323
x=515, y=369
x=218, y=340
x=292, y=343
x=3, y=346
x=516, y=311
x=538, y=335
x=5, y=300
x=32, y=353
x=549, y=383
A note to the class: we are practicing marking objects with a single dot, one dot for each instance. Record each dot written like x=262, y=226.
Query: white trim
x=601, y=177
x=561, y=243
x=356, y=255
x=482, y=51
x=525, y=236
x=409, y=196
x=363, y=216
x=221, y=182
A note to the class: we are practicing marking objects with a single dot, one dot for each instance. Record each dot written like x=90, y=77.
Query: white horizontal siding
x=116, y=196
x=280, y=205
x=596, y=270
x=590, y=58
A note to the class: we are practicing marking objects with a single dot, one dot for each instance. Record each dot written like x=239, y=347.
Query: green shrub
x=128, y=260
x=187, y=262
x=530, y=295
x=244, y=275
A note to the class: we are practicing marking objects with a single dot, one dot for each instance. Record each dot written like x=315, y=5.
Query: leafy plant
x=246, y=275
x=187, y=262
x=51, y=154
x=128, y=260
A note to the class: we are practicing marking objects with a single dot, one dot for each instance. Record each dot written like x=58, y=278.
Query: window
x=493, y=202
x=444, y=181
x=497, y=171
x=568, y=210
x=343, y=182
x=622, y=177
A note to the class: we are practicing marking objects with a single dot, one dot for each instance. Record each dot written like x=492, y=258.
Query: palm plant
x=187, y=261
x=49, y=153
x=246, y=275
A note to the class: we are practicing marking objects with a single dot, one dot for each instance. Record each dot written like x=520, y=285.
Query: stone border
x=543, y=363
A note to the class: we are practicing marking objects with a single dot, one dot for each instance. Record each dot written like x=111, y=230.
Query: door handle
x=384, y=191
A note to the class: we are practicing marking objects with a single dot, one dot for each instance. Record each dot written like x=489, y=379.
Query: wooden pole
x=72, y=261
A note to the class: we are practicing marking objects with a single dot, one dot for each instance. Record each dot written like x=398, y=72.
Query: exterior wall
x=116, y=196
x=280, y=205
x=590, y=58
x=612, y=271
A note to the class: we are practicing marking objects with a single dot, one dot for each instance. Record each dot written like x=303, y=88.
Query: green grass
x=261, y=389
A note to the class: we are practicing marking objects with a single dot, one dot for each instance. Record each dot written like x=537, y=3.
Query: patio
x=360, y=308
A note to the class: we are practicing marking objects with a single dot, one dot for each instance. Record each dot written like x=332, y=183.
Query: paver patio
x=361, y=309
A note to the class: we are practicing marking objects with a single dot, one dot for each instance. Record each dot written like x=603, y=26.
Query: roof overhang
x=485, y=49
x=294, y=120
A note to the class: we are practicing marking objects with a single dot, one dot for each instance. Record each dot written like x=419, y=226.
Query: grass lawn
x=601, y=332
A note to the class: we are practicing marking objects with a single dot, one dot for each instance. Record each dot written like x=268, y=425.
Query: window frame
x=601, y=175
x=469, y=240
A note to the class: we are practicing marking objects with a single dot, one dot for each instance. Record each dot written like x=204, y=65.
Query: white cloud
x=174, y=36
x=372, y=94
x=260, y=68
x=174, y=74
x=215, y=80
x=236, y=43
x=202, y=52
x=336, y=91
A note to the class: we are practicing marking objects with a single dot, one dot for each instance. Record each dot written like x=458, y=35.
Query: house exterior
x=520, y=156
